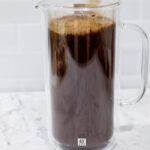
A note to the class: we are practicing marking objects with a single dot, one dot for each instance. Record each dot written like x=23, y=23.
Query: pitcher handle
x=144, y=67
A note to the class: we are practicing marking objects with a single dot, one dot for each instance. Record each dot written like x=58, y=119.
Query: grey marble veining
x=23, y=123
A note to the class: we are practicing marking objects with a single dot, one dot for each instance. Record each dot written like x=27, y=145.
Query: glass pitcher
x=82, y=72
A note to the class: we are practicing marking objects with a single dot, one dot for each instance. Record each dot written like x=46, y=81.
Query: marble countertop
x=23, y=123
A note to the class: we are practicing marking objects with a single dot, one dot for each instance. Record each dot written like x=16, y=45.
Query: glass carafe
x=82, y=58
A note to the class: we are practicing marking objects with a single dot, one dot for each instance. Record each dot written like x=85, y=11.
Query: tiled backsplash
x=21, y=44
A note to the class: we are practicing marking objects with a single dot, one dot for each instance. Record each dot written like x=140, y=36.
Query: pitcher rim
x=43, y=4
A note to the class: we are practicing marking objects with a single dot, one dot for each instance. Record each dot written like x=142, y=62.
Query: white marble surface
x=23, y=123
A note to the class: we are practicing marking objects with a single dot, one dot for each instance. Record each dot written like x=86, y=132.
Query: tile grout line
x=19, y=29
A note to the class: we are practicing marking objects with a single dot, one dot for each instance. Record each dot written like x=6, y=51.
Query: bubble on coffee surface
x=80, y=23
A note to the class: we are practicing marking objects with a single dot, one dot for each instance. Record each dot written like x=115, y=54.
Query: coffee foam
x=79, y=23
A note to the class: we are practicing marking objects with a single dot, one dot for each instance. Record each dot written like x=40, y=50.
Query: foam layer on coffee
x=79, y=23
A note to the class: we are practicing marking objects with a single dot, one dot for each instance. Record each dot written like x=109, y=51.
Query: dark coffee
x=82, y=75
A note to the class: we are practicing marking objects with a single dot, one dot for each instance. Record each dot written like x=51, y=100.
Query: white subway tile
x=19, y=12
x=128, y=82
x=146, y=9
x=145, y=25
x=7, y=85
x=129, y=38
x=32, y=85
x=130, y=62
x=8, y=38
x=130, y=10
x=21, y=66
x=31, y=38
x=146, y=28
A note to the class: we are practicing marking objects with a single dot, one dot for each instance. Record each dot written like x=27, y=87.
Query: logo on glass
x=81, y=142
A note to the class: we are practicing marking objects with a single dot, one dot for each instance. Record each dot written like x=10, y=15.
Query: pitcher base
x=109, y=145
